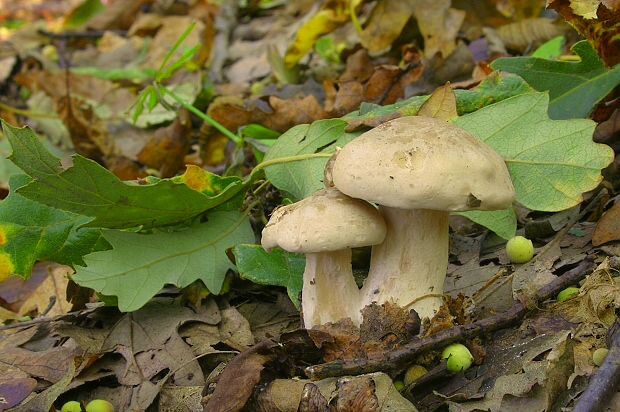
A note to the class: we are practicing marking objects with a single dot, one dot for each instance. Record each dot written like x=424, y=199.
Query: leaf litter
x=167, y=356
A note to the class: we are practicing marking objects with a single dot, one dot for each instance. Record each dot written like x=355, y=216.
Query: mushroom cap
x=326, y=221
x=418, y=162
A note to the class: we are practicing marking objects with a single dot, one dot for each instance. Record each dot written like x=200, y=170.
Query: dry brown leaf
x=236, y=384
x=88, y=132
x=119, y=14
x=439, y=25
x=528, y=32
x=166, y=150
x=51, y=365
x=441, y=104
x=601, y=27
x=386, y=21
x=608, y=227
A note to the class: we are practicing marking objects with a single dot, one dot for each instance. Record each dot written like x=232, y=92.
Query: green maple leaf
x=88, y=189
x=574, y=87
x=139, y=265
x=30, y=231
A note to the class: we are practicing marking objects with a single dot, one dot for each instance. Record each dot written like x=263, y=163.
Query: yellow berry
x=413, y=373
x=458, y=357
x=599, y=356
x=99, y=405
x=567, y=294
x=71, y=406
x=519, y=249
x=399, y=385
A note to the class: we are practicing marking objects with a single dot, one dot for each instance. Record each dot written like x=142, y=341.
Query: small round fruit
x=519, y=249
x=399, y=385
x=458, y=357
x=71, y=406
x=599, y=356
x=413, y=373
x=567, y=294
x=99, y=405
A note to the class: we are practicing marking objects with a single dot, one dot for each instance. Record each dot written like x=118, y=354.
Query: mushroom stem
x=411, y=262
x=329, y=292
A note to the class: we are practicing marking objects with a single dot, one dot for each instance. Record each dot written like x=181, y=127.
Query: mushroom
x=418, y=170
x=325, y=226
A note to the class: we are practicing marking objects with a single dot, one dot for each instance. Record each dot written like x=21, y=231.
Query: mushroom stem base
x=329, y=292
x=411, y=262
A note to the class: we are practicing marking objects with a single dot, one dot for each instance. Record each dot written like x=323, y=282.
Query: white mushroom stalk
x=418, y=170
x=325, y=226
x=409, y=267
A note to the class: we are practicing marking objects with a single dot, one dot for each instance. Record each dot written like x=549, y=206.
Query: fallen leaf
x=439, y=25
x=608, y=227
x=88, y=132
x=236, y=384
x=441, y=104
x=596, y=22
x=166, y=150
x=119, y=14
x=533, y=31
x=15, y=386
x=385, y=23
x=332, y=15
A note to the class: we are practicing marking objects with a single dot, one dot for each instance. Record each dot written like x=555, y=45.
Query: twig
x=406, y=353
x=604, y=384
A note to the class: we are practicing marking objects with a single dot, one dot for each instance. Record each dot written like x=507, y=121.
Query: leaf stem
x=236, y=139
x=289, y=159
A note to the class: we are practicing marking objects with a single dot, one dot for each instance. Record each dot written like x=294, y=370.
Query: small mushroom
x=418, y=169
x=325, y=226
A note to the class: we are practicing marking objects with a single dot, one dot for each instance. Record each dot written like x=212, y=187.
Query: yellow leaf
x=333, y=15
x=441, y=104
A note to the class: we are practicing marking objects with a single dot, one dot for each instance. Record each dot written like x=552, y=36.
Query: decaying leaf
x=166, y=150
x=332, y=15
x=596, y=21
x=439, y=25
x=441, y=104
x=608, y=227
x=88, y=132
x=533, y=31
x=386, y=21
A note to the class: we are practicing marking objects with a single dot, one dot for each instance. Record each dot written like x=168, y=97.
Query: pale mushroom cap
x=326, y=221
x=417, y=162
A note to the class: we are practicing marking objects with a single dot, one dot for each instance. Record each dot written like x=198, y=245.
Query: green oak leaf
x=574, y=87
x=88, y=189
x=551, y=162
x=140, y=265
x=30, y=231
x=278, y=268
x=495, y=88
x=301, y=178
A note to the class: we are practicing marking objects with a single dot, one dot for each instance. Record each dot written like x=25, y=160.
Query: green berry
x=567, y=294
x=399, y=385
x=599, y=356
x=99, y=405
x=458, y=357
x=71, y=406
x=413, y=373
x=519, y=249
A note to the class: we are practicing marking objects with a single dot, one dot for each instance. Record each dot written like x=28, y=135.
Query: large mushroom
x=418, y=169
x=325, y=226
